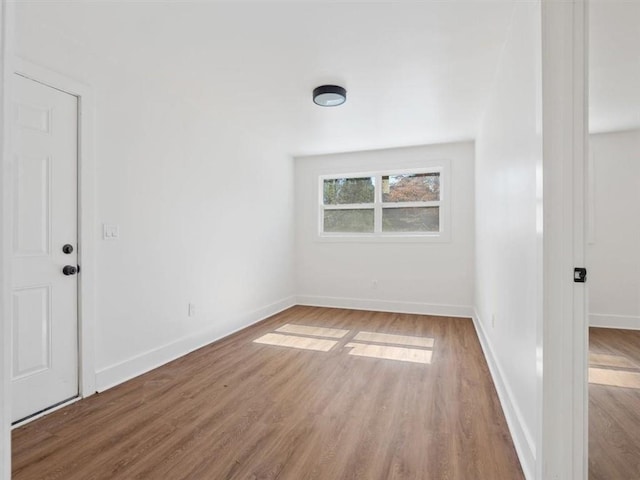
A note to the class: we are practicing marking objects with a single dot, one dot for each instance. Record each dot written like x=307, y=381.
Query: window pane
x=418, y=187
x=339, y=191
x=411, y=219
x=353, y=221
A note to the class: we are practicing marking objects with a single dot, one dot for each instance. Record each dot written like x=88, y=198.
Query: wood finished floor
x=242, y=410
x=614, y=410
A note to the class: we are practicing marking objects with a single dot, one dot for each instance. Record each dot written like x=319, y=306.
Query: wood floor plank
x=615, y=361
x=237, y=409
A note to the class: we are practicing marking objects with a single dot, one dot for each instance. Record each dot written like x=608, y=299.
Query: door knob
x=69, y=270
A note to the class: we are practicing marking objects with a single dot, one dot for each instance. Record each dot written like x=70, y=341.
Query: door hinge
x=580, y=275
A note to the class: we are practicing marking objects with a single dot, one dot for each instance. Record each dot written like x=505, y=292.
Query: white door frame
x=6, y=36
x=11, y=65
x=86, y=213
x=563, y=329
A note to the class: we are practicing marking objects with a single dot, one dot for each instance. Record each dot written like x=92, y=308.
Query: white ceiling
x=416, y=72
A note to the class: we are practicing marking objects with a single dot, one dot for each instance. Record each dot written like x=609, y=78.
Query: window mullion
x=411, y=204
x=377, y=221
x=350, y=206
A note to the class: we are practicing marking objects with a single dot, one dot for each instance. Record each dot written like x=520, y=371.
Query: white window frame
x=443, y=235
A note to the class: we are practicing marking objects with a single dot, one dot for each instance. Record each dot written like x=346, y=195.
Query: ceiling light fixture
x=329, y=95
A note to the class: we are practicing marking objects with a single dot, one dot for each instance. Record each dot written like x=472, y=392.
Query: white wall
x=613, y=252
x=415, y=277
x=182, y=172
x=507, y=286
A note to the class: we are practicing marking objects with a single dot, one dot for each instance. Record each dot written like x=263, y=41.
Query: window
x=393, y=204
x=349, y=205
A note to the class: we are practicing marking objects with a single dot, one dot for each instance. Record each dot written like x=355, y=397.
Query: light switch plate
x=110, y=231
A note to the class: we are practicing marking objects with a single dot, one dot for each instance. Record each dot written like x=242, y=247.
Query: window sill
x=384, y=238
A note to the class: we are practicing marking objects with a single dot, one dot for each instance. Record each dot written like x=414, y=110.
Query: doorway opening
x=613, y=240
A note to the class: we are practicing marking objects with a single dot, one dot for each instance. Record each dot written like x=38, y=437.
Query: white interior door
x=44, y=299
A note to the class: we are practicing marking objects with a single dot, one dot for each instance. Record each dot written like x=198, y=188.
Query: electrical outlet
x=493, y=320
x=374, y=283
x=192, y=310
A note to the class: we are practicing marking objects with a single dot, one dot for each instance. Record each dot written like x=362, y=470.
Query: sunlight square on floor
x=614, y=378
x=303, y=343
x=384, y=352
x=313, y=331
x=395, y=339
x=302, y=337
x=610, y=360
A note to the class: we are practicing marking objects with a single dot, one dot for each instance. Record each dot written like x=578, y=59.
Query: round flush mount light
x=329, y=95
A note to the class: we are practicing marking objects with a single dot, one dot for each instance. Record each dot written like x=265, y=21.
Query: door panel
x=31, y=330
x=44, y=300
x=32, y=184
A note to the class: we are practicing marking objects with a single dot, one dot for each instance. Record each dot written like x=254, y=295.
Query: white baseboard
x=132, y=367
x=522, y=438
x=386, y=306
x=624, y=322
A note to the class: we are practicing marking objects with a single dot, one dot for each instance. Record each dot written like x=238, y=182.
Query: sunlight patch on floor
x=610, y=360
x=614, y=378
x=402, y=354
x=364, y=343
x=395, y=339
x=304, y=343
x=315, y=331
